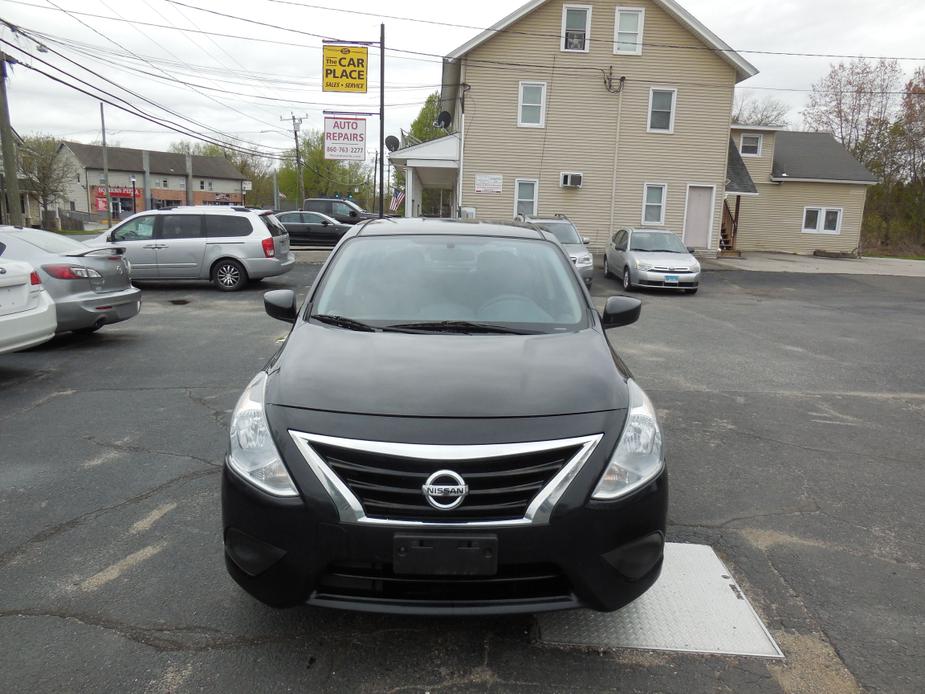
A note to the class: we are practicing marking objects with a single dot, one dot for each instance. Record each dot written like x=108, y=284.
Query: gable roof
x=125, y=159
x=738, y=180
x=802, y=156
x=743, y=68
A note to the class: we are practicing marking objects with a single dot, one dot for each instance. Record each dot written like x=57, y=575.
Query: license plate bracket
x=672, y=279
x=445, y=555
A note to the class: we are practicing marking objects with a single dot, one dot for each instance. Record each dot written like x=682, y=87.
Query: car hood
x=665, y=259
x=576, y=249
x=446, y=375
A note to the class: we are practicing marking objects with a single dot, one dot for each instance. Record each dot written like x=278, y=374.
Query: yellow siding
x=759, y=168
x=583, y=120
x=773, y=220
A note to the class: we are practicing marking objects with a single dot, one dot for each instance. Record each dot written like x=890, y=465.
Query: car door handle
x=151, y=245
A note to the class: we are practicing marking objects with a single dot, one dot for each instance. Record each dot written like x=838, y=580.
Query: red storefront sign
x=117, y=192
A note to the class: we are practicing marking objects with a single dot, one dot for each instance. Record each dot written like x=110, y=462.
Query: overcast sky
x=39, y=105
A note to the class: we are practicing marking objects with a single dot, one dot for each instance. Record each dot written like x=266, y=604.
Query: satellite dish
x=392, y=143
x=444, y=120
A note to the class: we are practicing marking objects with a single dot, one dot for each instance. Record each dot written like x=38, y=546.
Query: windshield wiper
x=460, y=326
x=343, y=322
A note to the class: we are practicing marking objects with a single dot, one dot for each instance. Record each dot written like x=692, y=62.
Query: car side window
x=312, y=218
x=342, y=209
x=220, y=225
x=624, y=237
x=180, y=226
x=138, y=229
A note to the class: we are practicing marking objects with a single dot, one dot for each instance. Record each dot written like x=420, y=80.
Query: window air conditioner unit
x=571, y=180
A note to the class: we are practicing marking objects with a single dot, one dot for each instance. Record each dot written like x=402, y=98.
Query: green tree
x=253, y=167
x=324, y=177
x=46, y=168
x=423, y=129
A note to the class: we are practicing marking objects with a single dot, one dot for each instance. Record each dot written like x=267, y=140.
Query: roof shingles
x=124, y=159
x=815, y=156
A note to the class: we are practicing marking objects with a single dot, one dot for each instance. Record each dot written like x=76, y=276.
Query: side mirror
x=690, y=249
x=353, y=213
x=281, y=305
x=585, y=240
x=325, y=223
x=620, y=310
x=111, y=238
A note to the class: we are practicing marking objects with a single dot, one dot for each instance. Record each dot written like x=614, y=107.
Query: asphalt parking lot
x=793, y=406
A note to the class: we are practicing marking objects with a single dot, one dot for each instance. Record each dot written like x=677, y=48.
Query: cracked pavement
x=793, y=407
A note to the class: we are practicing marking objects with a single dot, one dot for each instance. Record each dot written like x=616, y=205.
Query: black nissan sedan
x=446, y=430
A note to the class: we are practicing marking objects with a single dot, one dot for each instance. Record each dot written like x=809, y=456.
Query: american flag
x=397, y=196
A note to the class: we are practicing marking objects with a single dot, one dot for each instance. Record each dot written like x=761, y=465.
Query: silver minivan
x=227, y=245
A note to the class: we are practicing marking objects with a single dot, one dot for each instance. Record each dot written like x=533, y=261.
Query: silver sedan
x=651, y=258
x=91, y=287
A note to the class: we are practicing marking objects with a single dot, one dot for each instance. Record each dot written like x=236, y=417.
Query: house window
x=210, y=185
x=822, y=220
x=627, y=30
x=165, y=183
x=576, y=25
x=661, y=110
x=202, y=185
x=182, y=184
x=531, y=107
x=653, y=203
x=525, y=193
x=750, y=145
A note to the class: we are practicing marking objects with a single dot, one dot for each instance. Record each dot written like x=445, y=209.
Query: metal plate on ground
x=695, y=606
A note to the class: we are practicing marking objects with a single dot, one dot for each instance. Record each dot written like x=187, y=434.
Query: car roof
x=392, y=226
x=648, y=230
x=207, y=209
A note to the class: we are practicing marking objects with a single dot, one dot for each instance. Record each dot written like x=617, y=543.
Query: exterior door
x=180, y=245
x=320, y=230
x=136, y=236
x=293, y=221
x=698, y=217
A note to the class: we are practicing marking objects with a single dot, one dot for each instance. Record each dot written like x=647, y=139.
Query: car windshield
x=451, y=284
x=51, y=243
x=564, y=231
x=656, y=242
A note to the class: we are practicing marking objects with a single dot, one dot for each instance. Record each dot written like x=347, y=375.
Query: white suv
x=227, y=245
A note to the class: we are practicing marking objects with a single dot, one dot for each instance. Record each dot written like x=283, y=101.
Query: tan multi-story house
x=809, y=193
x=614, y=113
x=141, y=179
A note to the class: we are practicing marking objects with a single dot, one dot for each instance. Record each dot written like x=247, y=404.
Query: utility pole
x=296, y=122
x=382, y=120
x=276, y=190
x=106, y=169
x=10, y=169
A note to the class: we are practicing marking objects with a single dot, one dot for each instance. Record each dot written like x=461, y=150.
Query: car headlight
x=584, y=260
x=253, y=454
x=637, y=457
x=643, y=266
x=695, y=267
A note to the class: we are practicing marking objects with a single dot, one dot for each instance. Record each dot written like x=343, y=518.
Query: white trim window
x=750, y=144
x=576, y=28
x=526, y=192
x=653, y=203
x=822, y=220
x=662, y=107
x=531, y=105
x=627, y=30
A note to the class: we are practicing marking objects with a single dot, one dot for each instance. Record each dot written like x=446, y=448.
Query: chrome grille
x=381, y=482
x=662, y=268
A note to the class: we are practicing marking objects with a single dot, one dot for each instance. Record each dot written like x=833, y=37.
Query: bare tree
x=913, y=125
x=748, y=109
x=47, y=169
x=856, y=102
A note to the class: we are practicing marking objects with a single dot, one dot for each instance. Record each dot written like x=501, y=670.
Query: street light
x=133, y=194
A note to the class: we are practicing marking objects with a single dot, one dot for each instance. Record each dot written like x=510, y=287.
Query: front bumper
x=595, y=554
x=258, y=268
x=83, y=310
x=653, y=278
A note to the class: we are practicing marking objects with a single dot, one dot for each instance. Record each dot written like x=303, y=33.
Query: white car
x=27, y=313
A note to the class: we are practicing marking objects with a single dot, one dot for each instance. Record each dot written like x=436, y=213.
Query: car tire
x=607, y=273
x=627, y=280
x=229, y=275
